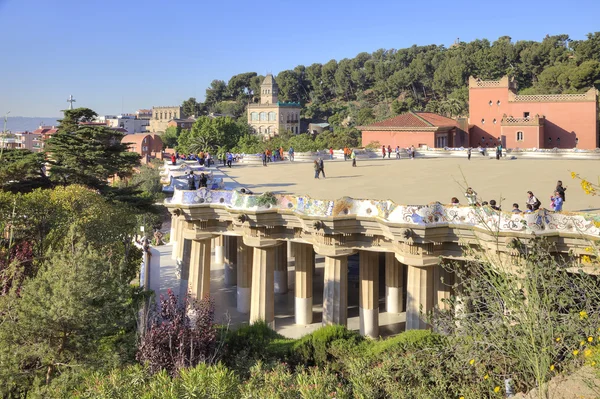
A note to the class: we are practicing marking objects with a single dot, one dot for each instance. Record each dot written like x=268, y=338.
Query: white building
x=128, y=122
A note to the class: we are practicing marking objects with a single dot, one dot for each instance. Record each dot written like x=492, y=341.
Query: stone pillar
x=177, y=238
x=335, y=291
x=394, y=280
x=281, y=269
x=262, y=304
x=442, y=286
x=291, y=249
x=419, y=296
x=218, y=245
x=244, y=276
x=369, y=293
x=305, y=258
x=173, y=230
x=230, y=259
x=199, y=284
x=183, y=263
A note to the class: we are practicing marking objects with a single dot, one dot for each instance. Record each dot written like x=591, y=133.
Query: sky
x=118, y=56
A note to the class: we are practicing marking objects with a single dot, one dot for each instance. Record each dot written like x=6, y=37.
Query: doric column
x=262, y=305
x=369, y=293
x=173, y=230
x=291, y=249
x=183, y=262
x=281, y=269
x=244, y=276
x=394, y=280
x=178, y=243
x=442, y=286
x=230, y=248
x=335, y=291
x=305, y=258
x=199, y=284
x=218, y=246
x=419, y=289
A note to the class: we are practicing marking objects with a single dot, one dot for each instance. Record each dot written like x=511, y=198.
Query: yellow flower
x=462, y=397
x=472, y=361
x=593, y=363
x=573, y=175
x=485, y=377
x=575, y=352
x=590, y=339
x=587, y=353
x=583, y=315
x=582, y=343
x=552, y=368
x=586, y=259
x=497, y=389
x=558, y=339
x=589, y=249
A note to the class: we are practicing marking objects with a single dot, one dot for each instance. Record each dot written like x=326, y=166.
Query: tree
x=170, y=136
x=23, y=171
x=192, y=107
x=209, y=133
x=88, y=154
x=216, y=92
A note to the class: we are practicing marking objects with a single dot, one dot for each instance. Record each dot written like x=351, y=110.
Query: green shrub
x=412, y=339
x=276, y=382
x=313, y=349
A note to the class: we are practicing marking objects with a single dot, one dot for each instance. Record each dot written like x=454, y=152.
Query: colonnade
x=261, y=272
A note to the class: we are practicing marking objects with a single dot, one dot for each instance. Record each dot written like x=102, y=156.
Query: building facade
x=161, y=116
x=144, y=144
x=131, y=123
x=498, y=114
x=270, y=116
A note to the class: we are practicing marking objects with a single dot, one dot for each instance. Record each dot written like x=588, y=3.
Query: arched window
x=519, y=136
x=491, y=102
x=272, y=116
x=482, y=121
x=263, y=116
x=254, y=116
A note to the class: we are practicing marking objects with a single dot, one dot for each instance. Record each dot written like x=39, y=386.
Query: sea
x=17, y=124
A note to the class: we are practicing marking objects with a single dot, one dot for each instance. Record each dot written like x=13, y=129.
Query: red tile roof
x=45, y=130
x=415, y=119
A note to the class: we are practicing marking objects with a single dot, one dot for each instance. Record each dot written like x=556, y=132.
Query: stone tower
x=269, y=90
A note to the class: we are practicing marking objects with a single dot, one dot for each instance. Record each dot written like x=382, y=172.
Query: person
x=469, y=153
x=330, y=152
x=454, y=201
x=529, y=208
x=397, y=152
x=516, y=208
x=556, y=202
x=389, y=151
x=291, y=153
x=224, y=159
x=412, y=151
x=345, y=153
x=533, y=201
x=203, y=180
x=281, y=153
x=561, y=190
x=208, y=160
x=229, y=159
x=498, y=151
x=481, y=150
x=353, y=158
x=246, y=191
x=191, y=179
x=322, y=167
x=264, y=158
x=484, y=203
x=173, y=159
x=383, y=151
x=494, y=206
x=471, y=196
x=316, y=168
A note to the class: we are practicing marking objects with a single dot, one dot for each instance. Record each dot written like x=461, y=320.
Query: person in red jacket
x=173, y=159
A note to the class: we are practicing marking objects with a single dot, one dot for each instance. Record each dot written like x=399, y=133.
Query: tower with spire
x=269, y=90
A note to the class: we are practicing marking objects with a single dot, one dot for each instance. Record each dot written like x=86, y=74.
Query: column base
x=230, y=274
x=243, y=299
x=369, y=322
x=219, y=254
x=173, y=253
x=303, y=310
x=393, y=296
x=280, y=278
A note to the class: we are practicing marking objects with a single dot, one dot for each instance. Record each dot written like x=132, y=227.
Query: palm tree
x=200, y=143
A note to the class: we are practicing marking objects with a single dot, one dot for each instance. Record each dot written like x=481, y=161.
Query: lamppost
x=4, y=134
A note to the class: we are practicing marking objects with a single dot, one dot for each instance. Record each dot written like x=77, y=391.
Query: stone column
x=369, y=293
x=443, y=282
x=218, y=245
x=199, y=284
x=419, y=296
x=394, y=280
x=177, y=239
x=281, y=269
x=335, y=291
x=230, y=259
x=291, y=249
x=183, y=263
x=305, y=258
x=244, y=276
x=173, y=230
x=262, y=304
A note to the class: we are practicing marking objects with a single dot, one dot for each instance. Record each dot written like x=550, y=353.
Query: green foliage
x=208, y=134
x=409, y=340
x=22, y=171
x=170, y=136
x=313, y=349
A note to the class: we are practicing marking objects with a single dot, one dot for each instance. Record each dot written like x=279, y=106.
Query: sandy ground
x=422, y=181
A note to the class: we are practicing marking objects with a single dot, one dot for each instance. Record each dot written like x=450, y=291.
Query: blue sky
x=124, y=55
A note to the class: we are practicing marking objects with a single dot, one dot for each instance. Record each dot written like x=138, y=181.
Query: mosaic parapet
x=541, y=222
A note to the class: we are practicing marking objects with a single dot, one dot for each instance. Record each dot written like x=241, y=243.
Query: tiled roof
x=415, y=119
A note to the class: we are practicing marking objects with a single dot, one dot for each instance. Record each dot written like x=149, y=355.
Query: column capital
x=333, y=252
x=260, y=242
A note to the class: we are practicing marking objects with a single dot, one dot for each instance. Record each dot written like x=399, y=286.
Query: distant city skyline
x=118, y=57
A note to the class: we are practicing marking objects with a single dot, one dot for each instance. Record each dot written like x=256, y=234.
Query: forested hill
x=434, y=78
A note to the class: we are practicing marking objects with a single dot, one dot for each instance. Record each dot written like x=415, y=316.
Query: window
x=526, y=115
x=494, y=121
x=491, y=102
x=482, y=139
x=558, y=140
x=254, y=116
x=519, y=136
x=482, y=121
x=498, y=103
x=549, y=139
x=263, y=116
x=272, y=116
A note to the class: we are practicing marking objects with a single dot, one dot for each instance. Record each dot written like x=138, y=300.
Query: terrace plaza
x=362, y=247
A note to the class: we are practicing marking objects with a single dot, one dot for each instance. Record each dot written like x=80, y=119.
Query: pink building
x=498, y=113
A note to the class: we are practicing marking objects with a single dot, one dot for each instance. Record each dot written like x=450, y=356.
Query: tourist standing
x=498, y=151
x=383, y=151
x=281, y=153
x=191, y=180
x=264, y=158
x=322, y=167
x=557, y=202
x=203, y=180
x=317, y=169
x=173, y=160
x=412, y=151
x=397, y=152
x=533, y=201
x=229, y=159
x=469, y=153
x=291, y=153
x=353, y=158
x=561, y=190
x=389, y=150
x=330, y=152
x=346, y=153
x=208, y=160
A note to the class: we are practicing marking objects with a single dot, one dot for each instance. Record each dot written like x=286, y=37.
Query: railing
x=526, y=121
